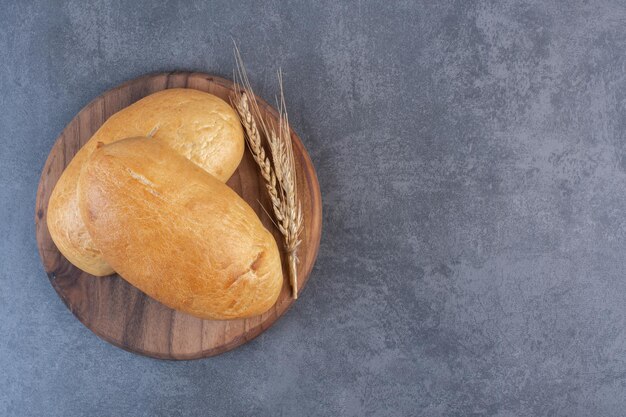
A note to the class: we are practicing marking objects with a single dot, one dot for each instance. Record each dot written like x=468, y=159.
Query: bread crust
x=198, y=125
x=178, y=233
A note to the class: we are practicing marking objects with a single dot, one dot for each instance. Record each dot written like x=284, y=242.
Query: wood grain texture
x=118, y=312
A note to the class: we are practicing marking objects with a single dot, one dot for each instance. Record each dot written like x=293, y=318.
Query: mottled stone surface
x=472, y=160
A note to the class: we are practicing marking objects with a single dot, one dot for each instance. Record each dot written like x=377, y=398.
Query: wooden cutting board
x=118, y=312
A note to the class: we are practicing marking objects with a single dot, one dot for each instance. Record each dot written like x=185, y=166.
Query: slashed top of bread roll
x=198, y=125
x=176, y=232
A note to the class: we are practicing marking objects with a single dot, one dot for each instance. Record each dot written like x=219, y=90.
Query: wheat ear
x=279, y=173
x=284, y=163
x=253, y=139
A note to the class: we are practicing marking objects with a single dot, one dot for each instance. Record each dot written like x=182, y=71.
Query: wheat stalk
x=279, y=173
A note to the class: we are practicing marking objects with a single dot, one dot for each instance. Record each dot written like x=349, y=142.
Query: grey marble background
x=472, y=160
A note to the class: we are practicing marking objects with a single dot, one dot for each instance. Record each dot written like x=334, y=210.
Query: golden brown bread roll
x=176, y=232
x=198, y=125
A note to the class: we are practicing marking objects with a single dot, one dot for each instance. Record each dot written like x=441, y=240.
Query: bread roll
x=176, y=232
x=198, y=125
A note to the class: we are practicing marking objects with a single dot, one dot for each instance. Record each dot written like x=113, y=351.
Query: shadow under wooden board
x=118, y=312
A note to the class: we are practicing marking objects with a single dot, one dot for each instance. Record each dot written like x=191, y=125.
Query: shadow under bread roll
x=176, y=232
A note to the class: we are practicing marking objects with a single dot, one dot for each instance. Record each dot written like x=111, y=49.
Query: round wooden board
x=118, y=312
